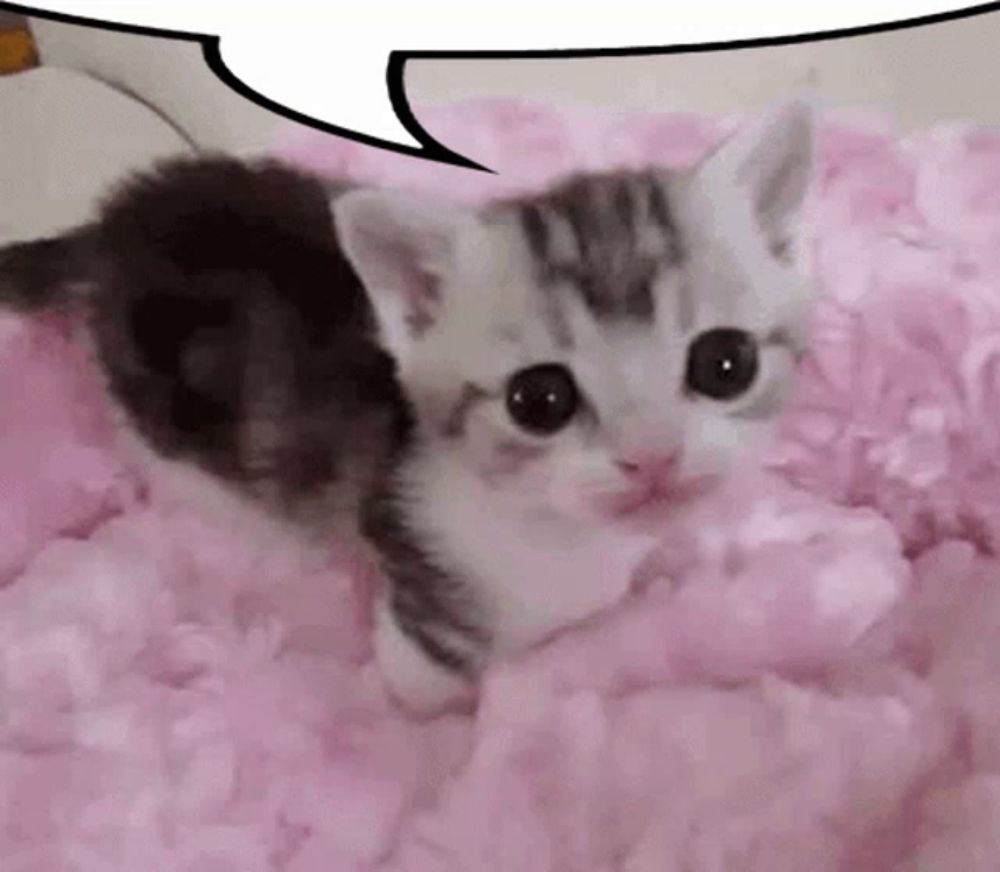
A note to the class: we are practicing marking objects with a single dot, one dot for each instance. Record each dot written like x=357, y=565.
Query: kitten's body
x=367, y=373
x=233, y=335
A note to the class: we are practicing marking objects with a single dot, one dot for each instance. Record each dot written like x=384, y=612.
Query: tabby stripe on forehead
x=625, y=206
x=605, y=238
x=574, y=208
x=685, y=306
x=659, y=210
x=555, y=319
x=538, y=237
x=639, y=302
x=536, y=231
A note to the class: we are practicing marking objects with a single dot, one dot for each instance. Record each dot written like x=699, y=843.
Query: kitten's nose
x=650, y=466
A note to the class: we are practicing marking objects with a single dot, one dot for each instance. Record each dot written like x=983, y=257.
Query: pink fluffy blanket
x=819, y=688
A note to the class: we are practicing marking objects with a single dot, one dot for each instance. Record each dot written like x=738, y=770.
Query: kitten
x=233, y=335
x=508, y=400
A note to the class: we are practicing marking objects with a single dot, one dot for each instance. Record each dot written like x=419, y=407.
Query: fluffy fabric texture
x=817, y=688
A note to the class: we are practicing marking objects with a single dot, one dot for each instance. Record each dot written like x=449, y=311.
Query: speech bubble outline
x=429, y=148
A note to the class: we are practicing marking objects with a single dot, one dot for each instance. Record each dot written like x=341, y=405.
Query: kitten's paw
x=416, y=682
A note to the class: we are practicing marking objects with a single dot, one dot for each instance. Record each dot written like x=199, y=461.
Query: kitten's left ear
x=771, y=162
x=401, y=247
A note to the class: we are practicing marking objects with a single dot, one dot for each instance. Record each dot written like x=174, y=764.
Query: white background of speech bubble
x=327, y=60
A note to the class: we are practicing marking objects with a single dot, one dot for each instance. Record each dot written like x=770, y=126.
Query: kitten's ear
x=46, y=273
x=771, y=161
x=401, y=246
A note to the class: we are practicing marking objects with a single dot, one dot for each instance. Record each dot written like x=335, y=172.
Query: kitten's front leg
x=412, y=678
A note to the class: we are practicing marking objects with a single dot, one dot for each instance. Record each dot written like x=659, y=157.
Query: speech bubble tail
x=432, y=149
x=428, y=148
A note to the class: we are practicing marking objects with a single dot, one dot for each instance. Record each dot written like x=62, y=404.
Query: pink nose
x=650, y=467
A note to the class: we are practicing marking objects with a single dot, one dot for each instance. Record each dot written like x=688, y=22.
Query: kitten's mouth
x=656, y=500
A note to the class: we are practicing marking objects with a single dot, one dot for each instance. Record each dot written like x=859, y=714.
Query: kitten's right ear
x=47, y=273
x=770, y=160
x=401, y=246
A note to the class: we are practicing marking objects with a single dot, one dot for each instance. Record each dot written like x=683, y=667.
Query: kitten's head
x=608, y=348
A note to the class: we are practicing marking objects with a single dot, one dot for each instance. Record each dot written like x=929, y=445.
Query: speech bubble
x=341, y=69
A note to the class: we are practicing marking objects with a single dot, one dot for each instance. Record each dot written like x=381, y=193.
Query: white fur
x=533, y=571
x=409, y=676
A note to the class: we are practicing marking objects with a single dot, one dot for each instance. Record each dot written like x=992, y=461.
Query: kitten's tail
x=45, y=274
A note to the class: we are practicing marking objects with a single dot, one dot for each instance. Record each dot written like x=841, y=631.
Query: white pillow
x=65, y=138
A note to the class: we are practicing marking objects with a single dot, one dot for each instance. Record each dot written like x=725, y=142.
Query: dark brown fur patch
x=231, y=329
x=622, y=235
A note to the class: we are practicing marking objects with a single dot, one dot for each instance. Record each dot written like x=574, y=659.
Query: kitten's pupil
x=542, y=399
x=722, y=363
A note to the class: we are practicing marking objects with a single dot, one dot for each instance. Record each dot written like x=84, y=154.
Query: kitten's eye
x=722, y=363
x=542, y=399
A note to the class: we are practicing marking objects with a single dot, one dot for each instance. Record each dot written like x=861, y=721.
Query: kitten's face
x=609, y=349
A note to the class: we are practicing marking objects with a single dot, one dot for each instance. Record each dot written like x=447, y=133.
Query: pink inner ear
x=422, y=295
x=425, y=301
